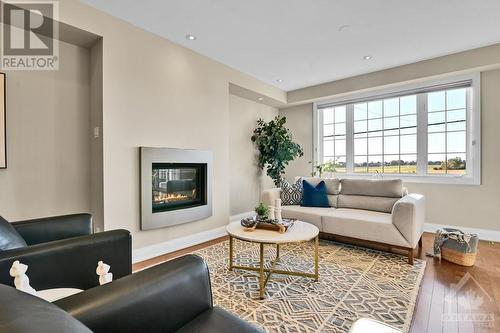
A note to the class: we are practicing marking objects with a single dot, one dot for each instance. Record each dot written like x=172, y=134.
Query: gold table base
x=265, y=273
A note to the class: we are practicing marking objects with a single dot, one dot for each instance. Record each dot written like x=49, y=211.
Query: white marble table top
x=299, y=232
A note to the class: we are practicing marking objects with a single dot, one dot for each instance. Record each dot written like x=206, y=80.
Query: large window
x=426, y=132
x=334, y=136
x=447, y=131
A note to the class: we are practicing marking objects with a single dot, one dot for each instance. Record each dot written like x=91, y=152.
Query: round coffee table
x=299, y=232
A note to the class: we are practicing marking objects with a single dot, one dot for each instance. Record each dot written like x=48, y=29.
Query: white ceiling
x=302, y=41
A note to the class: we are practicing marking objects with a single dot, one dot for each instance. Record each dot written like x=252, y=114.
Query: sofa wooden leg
x=410, y=256
x=420, y=241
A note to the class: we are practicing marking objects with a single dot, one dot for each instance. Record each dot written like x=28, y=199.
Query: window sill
x=443, y=179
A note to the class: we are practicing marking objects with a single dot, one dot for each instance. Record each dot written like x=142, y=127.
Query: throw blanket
x=443, y=235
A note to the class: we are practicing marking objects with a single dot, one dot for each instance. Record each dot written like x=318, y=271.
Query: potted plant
x=276, y=147
x=318, y=169
x=262, y=212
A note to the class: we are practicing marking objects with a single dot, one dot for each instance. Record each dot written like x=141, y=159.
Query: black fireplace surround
x=178, y=186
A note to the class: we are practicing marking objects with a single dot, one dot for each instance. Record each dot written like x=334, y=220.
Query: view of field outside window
x=385, y=134
x=446, y=132
x=334, y=137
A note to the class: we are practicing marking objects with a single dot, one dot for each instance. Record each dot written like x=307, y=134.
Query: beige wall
x=300, y=122
x=246, y=179
x=460, y=205
x=48, y=140
x=96, y=143
x=157, y=93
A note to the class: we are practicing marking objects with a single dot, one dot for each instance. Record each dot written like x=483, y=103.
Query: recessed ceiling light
x=260, y=99
x=344, y=27
x=367, y=57
x=190, y=37
x=279, y=80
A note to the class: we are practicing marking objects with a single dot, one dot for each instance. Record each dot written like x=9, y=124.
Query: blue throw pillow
x=314, y=196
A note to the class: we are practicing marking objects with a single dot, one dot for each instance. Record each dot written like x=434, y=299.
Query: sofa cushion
x=332, y=184
x=9, y=237
x=314, y=196
x=307, y=214
x=332, y=200
x=291, y=194
x=392, y=188
x=363, y=224
x=378, y=204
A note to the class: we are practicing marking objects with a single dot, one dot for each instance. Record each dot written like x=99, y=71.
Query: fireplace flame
x=159, y=198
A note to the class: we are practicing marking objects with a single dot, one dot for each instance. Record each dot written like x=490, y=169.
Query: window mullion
x=422, y=134
x=349, y=138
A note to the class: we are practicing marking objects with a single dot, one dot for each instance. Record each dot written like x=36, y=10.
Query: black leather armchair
x=172, y=297
x=63, y=252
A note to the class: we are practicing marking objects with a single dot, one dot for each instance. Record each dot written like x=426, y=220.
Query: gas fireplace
x=176, y=186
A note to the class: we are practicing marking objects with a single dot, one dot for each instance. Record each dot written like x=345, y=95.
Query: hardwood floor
x=452, y=298
x=168, y=256
x=476, y=303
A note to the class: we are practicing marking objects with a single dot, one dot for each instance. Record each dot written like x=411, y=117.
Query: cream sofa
x=379, y=212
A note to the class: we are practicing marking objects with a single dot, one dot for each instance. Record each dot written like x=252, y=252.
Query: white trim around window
x=420, y=170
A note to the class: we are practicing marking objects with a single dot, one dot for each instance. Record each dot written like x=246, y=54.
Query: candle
x=271, y=213
x=277, y=204
x=277, y=215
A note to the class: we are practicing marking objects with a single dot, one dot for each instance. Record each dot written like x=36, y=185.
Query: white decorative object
x=271, y=213
x=277, y=204
x=103, y=271
x=21, y=280
x=278, y=215
x=22, y=283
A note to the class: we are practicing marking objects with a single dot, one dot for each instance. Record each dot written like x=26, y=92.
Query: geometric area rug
x=354, y=282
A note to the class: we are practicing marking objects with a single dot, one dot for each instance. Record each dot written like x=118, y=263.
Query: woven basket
x=458, y=253
x=459, y=258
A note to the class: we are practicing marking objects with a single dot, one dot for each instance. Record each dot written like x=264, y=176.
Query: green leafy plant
x=276, y=148
x=262, y=210
x=318, y=169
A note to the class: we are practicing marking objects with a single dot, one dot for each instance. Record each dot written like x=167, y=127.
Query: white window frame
x=473, y=130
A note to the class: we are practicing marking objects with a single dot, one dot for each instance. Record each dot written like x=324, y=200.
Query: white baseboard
x=172, y=245
x=483, y=234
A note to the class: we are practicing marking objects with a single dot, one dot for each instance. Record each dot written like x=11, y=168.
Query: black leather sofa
x=172, y=297
x=62, y=251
